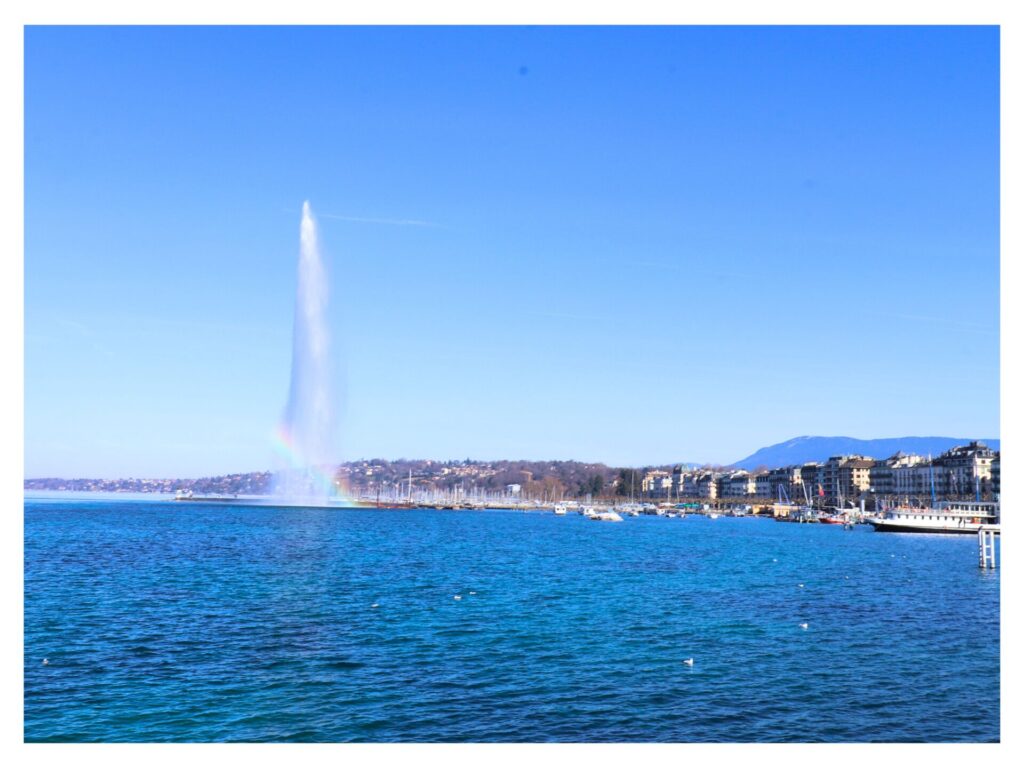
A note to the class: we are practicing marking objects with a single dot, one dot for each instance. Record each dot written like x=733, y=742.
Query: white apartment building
x=763, y=485
x=656, y=483
x=739, y=483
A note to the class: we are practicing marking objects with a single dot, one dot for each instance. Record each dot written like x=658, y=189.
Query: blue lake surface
x=165, y=621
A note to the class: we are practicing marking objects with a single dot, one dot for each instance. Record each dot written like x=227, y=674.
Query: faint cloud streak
x=391, y=222
x=565, y=316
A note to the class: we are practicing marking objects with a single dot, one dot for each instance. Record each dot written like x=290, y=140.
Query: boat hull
x=894, y=527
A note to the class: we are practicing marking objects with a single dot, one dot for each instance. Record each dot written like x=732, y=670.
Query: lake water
x=166, y=621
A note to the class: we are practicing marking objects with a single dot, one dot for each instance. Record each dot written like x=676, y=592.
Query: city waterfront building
x=846, y=476
x=691, y=484
x=656, y=483
x=706, y=485
x=739, y=483
x=678, y=481
x=812, y=478
x=914, y=479
x=965, y=470
x=882, y=474
x=763, y=485
x=921, y=481
x=791, y=481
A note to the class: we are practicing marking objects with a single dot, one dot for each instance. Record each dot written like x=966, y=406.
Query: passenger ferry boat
x=944, y=517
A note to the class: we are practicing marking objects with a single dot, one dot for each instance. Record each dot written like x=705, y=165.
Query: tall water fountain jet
x=305, y=434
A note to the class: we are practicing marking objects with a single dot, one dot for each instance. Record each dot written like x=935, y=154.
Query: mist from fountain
x=305, y=436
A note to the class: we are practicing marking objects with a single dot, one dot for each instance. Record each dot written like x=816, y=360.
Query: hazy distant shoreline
x=505, y=480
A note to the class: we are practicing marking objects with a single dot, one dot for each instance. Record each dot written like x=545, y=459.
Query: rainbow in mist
x=317, y=480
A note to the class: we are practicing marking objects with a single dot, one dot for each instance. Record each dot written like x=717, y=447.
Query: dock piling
x=986, y=548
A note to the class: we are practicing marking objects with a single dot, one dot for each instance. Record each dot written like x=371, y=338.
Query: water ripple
x=168, y=622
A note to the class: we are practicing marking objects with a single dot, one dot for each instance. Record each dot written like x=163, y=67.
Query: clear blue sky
x=630, y=245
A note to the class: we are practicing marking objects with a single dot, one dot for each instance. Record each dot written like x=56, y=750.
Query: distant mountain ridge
x=808, y=448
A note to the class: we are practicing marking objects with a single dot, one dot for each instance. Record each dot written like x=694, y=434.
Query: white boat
x=713, y=515
x=609, y=517
x=943, y=517
x=560, y=509
x=588, y=511
x=630, y=508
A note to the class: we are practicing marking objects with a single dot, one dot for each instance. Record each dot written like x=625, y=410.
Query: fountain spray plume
x=305, y=435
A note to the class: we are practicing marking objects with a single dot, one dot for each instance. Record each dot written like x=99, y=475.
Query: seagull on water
x=803, y=625
x=46, y=662
x=472, y=593
x=688, y=662
x=800, y=585
x=458, y=597
x=375, y=605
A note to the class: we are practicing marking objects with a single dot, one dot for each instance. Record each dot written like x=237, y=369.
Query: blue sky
x=630, y=245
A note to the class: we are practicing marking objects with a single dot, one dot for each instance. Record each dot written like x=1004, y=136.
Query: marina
x=952, y=517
